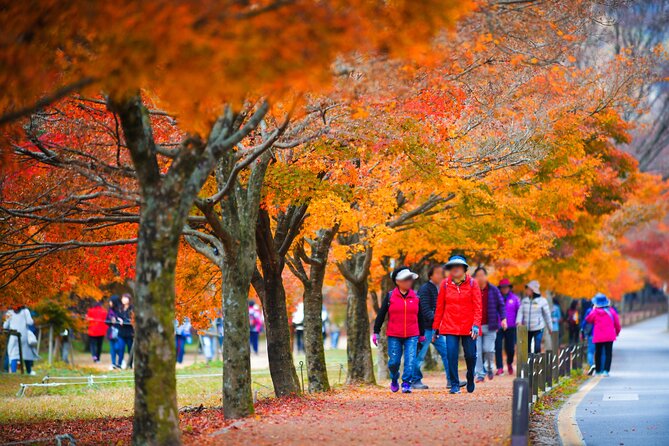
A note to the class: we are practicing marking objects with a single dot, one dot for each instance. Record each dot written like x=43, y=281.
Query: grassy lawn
x=116, y=399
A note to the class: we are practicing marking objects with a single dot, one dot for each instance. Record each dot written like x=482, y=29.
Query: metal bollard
x=521, y=414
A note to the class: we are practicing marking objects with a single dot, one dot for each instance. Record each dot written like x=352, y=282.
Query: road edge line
x=568, y=430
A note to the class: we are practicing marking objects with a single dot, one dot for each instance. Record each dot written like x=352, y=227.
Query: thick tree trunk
x=358, y=347
x=156, y=417
x=313, y=334
x=279, y=347
x=237, y=392
x=382, y=356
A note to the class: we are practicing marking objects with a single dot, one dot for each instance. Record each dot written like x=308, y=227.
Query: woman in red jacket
x=458, y=317
x=405, y=327
x=97, y=329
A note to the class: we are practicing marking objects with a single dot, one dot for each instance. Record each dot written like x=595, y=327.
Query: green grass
x=116, y=399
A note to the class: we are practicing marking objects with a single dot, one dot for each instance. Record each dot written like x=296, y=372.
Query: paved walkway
x=631, y=407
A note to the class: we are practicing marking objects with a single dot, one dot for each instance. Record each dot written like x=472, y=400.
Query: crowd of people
x=453, y=308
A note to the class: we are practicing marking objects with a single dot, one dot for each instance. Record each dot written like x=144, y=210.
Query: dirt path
x=375, y=416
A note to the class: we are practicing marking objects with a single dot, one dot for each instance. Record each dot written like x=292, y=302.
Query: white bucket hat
x=534, y=286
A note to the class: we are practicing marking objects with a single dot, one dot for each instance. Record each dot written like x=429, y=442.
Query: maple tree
x=126, y=46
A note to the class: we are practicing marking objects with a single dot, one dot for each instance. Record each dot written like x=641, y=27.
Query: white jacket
x=19, y=322
x=534, y=313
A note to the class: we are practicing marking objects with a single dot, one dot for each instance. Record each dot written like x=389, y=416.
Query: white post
x=50, y=343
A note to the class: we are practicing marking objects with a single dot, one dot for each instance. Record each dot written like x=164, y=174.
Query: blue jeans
x=395, y=347
x=453, y=350
x=440, y=345
x=14, y=365
x=536, y=335
x=116, y=348
x=181, y=347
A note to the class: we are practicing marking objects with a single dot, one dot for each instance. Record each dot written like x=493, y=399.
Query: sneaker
x=490, y=375
x=605, y=373
x=480, y=379
x=510, y=369
x=591, y=370
x=419, y=386
x=500, y=372
x=394, y=387
x=32, y=373
x=112, y=367
x=124, y=365
x=406, y=387
x=454, y=389
x=471, y=386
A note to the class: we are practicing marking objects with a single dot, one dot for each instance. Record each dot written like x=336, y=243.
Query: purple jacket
x=512, y=303
x=496, y=308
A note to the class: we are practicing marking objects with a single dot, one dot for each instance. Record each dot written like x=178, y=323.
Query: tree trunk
x=382, y=355
x=279, y=347
x=237, y=392
x=156, y=417
x=358, y=348
x=313, y=332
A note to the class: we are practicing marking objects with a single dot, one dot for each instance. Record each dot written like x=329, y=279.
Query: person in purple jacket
x=506, y=337
x=493, y=317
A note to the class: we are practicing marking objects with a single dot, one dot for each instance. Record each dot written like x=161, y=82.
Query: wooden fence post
x=521, y=348
x=521, y=413
x=50, y=344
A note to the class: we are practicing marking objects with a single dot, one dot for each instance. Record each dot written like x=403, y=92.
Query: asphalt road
x=631, y=407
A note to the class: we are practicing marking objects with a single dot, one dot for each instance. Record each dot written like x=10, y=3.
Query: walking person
x=126, y=332
x=256, y=325
x=506, y=337
x=586, y=332
x=97, y=329
x=493, y=316
x=183, y=336
x=298, y=326
x=19, y=319
x=606, y=328
x=405, y=327
x=556, y=316
x=573, y=322
x=458, y=318
x=113, y=321
x=535, y=314
x=428, y=293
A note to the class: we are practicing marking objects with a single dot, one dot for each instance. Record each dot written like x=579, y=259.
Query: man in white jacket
x=535, y=313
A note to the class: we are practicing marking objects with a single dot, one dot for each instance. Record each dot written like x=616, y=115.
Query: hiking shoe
x=591, y=370
x=394, y=387
x=500, y=372
x=480, y=379
x=490, y=375
x=470, y=386
x=454, y=389
x=406, y=387
x=419, y=386
x=510, y=369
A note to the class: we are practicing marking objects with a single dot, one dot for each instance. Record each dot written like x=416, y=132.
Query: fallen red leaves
x=353, y=415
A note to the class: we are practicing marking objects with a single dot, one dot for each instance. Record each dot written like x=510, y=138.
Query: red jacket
x=96, y=321
x=404, y=317
x=458, y=307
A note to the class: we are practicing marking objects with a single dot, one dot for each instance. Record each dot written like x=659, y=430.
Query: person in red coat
x=458, y=317
x=97, y=329
x=405, y=327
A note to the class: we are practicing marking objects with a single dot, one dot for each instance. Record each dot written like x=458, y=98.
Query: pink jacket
x=606, y=324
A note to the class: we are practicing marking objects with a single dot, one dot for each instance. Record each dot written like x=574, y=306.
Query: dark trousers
x=574, y=331
x=299, y=340
x=606, y=348
x=127, y=343
x=536, y=335
x=453, y=351
x=95, y=343
x=505, y=339
x=253, y=338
